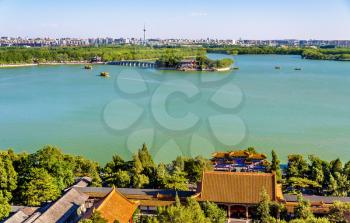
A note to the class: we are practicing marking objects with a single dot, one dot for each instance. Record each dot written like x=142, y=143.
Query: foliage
x=338, y=211
x=303, y=209
x=38, y=187
x=310, y=220
x=263, y=210
x=14, y=55
x=85, y=168
x=176, y=180
x=191, y=212
x=5, y=207
x=275, y=166
x=96, y=217
x=8, y=175
x=214, y=213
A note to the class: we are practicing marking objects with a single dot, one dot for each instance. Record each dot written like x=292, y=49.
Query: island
x=199, y=63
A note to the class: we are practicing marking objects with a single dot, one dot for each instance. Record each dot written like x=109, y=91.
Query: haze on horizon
x=222, y=19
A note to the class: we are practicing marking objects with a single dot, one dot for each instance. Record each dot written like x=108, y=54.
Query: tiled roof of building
x=239, y=153
x=116, y=207
x=21, y=213
x=60, y=210
x=236, y=187
x=96, y=192
x=154, y=192
x=316, y=199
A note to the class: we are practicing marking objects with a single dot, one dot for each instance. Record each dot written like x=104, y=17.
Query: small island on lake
x=199, y=63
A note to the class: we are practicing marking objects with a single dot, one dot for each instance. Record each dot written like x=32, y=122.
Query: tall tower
x=144, y=34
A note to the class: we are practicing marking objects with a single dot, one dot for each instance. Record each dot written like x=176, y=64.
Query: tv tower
x=144, y=34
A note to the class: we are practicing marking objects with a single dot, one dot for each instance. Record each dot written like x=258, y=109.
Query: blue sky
x=231, y=19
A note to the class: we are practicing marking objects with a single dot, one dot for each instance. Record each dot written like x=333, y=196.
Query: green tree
x=85, y=168
x=119, y=179
x=176, y=180
x=275, y=166
x=195, y=167
x=54, y=161
x=96, y=217
x=297, y=166
x=145, y=157
x=39, y=186
x=5, y=207
x=140, y=180
x=263, y=209
x=214, y=213
x=338, y=211
x=8, y=175
x=303, y=209
x=336, y=166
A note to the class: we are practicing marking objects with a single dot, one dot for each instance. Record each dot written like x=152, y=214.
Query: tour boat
x=104, y=74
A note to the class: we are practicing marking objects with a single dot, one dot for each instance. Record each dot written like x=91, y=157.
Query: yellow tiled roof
x=236, y=187
x=117, y=207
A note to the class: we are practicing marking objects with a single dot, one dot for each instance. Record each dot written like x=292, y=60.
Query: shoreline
x=49, y=64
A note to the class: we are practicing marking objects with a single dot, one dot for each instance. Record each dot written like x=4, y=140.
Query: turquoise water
x=290, y=111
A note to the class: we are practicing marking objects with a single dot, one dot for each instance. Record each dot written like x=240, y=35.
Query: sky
x=195, y=19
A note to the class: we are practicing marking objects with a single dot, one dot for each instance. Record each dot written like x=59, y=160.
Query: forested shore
x=40, y=177
x=21, y=55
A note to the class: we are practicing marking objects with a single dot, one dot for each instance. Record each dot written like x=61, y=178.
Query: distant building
x=239, y=161
x=238, y=193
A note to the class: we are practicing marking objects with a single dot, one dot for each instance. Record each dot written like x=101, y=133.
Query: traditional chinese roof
x=239, y=154
x=316, y=199
x=116, y=207
x=236, y=187
x=62, y=209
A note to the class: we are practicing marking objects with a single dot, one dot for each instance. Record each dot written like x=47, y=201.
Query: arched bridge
x=132, y=63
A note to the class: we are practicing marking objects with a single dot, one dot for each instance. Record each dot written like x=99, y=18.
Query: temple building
x=239, y=161
x=239, y=193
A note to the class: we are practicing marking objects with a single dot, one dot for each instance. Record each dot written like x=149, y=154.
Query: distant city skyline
x=222, y=19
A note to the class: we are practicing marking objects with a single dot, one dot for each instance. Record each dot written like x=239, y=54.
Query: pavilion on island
x=239, y=161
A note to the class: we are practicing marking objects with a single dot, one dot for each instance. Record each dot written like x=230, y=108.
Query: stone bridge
x=132, y=63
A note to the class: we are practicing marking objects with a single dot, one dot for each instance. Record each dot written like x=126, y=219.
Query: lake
x=179, y=113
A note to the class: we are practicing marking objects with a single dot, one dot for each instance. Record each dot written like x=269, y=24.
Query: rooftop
x=237, y=187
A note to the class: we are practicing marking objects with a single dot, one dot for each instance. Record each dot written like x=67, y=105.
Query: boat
x=297, y=68
x=277, y=67
x=88, y=67
x=104, y=74
x=236, y=68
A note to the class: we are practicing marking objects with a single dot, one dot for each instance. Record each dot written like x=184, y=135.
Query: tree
x=214, y=213
x=338, y=211
x=275, y=166
x=162, y=175
x=316, y=170
x=8, y=175
x=139, y=180
x=39, y=186
x=336, y=166
x=5, y=207
x=85, y=168
x=297, y=166
x=263, y=209
x=303, y=209
x=119, y=179
x=177, y=213
x=176, y=180
x=195, y=167
x=145, y=157
x=310, y=220
x=96, y=217
x=54, y=161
